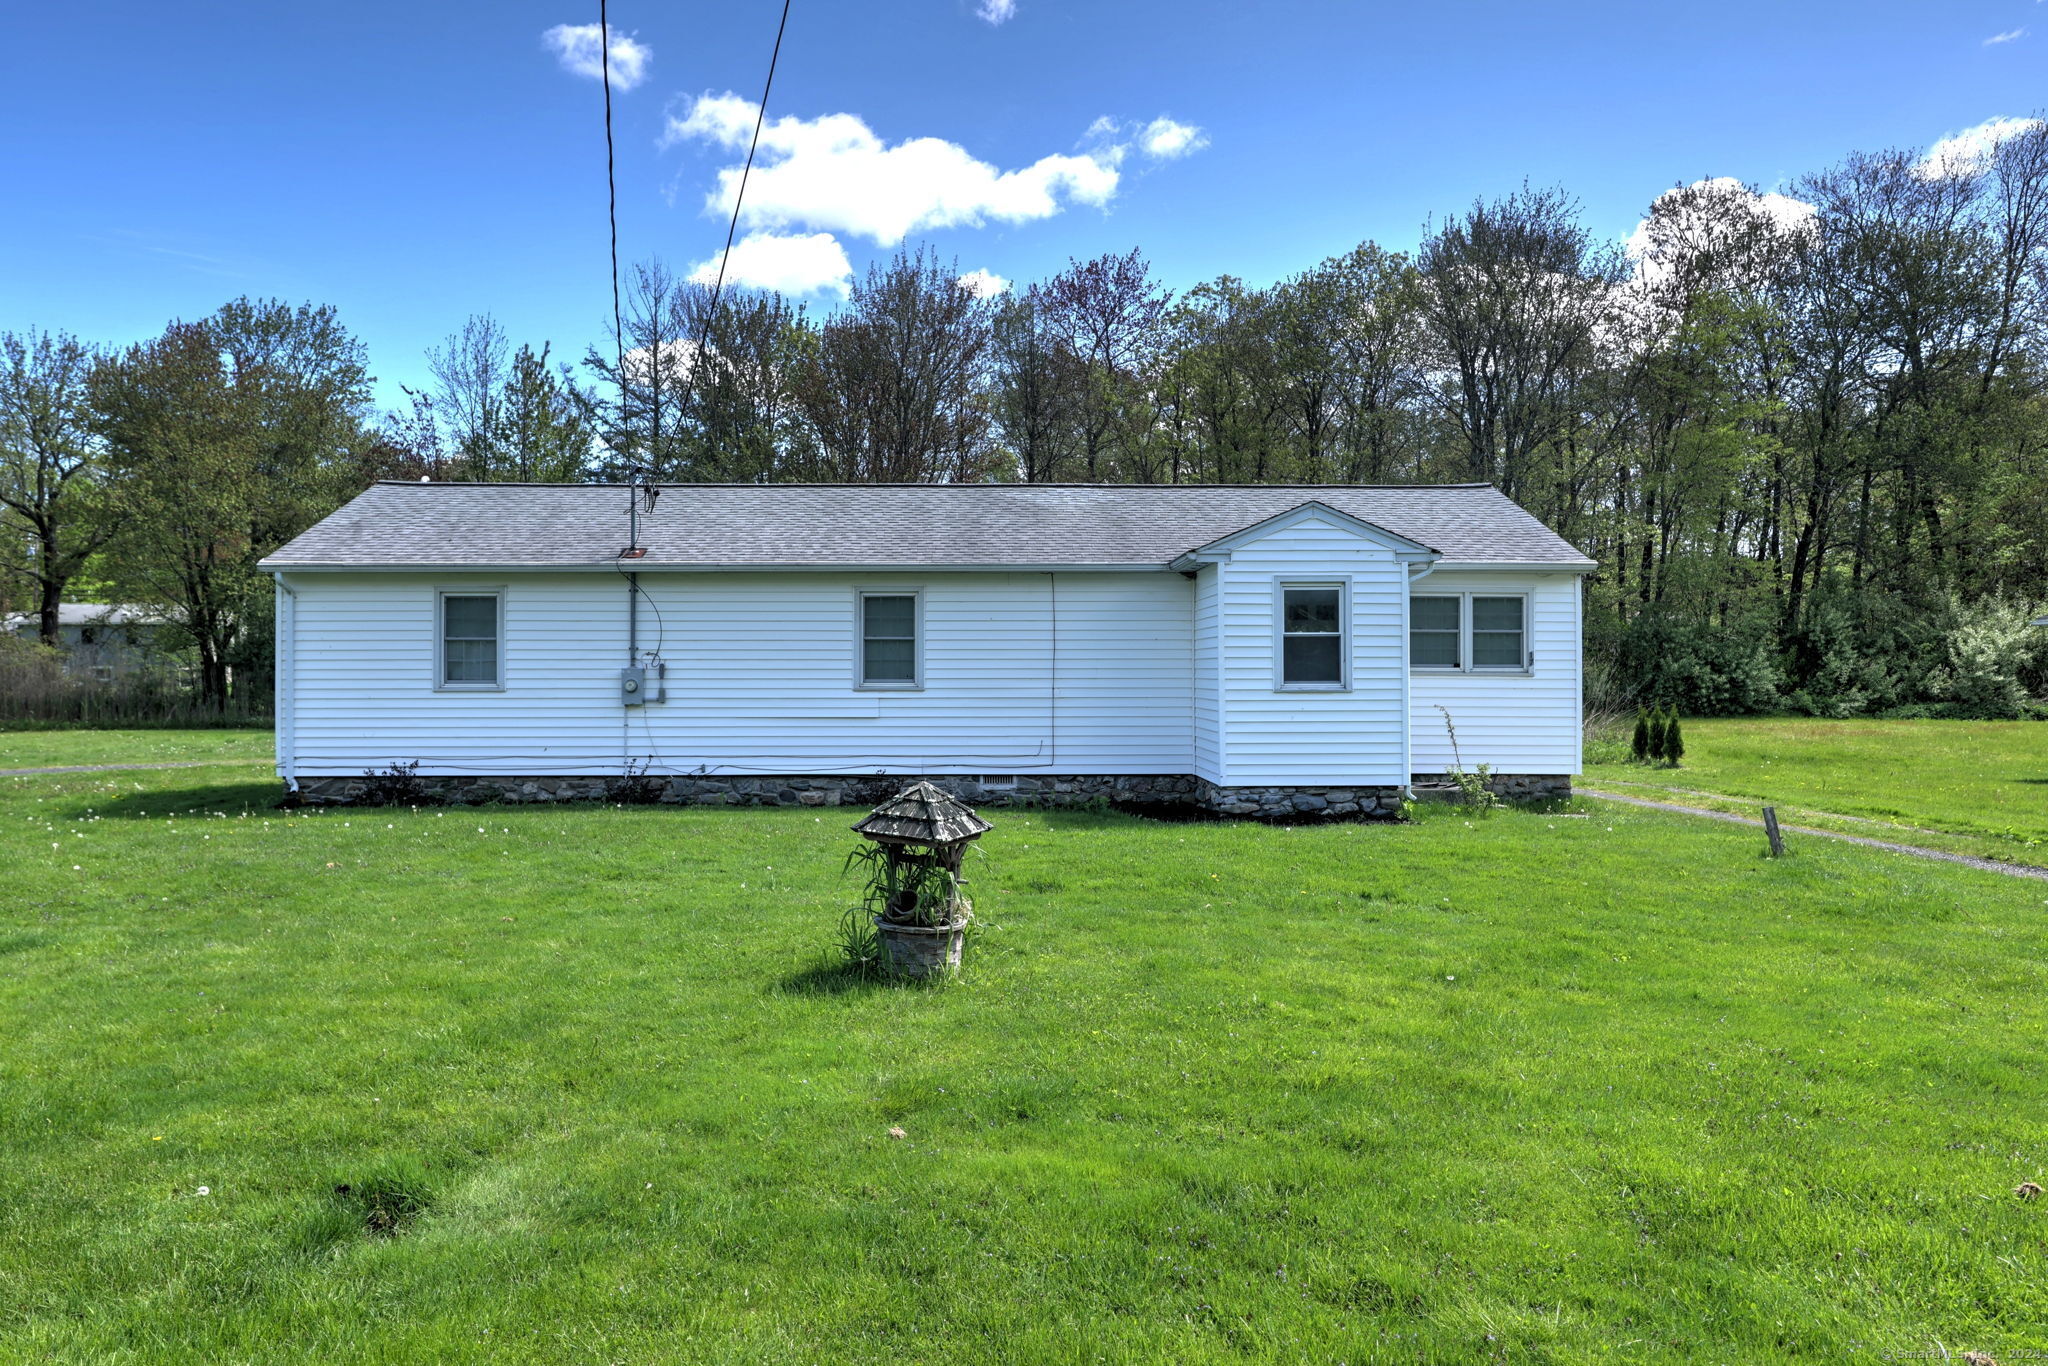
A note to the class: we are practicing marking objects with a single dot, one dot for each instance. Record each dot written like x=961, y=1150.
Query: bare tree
x=1513, y=296
x=895, y=394
x=642, y=407
x=1107, y=314
x=1033, y=394
x=470, y=371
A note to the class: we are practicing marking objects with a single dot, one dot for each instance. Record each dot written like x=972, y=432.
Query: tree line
x=1805, y=433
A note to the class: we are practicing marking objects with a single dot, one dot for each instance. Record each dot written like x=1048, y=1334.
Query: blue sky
x=415, y=163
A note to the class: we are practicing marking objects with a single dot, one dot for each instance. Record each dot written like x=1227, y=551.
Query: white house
x=101, y=641
x=1256, y=649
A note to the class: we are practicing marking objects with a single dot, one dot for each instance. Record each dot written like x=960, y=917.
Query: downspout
x=285, y=684
x=1416, y=574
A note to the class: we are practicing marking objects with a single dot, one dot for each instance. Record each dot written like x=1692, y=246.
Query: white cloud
x=2010, y=35
x=1969, y=151
x=984, y=284
x=789, y=264
x=833, y=173
x=997, y=11
x=581, y=53
x=1163, y=139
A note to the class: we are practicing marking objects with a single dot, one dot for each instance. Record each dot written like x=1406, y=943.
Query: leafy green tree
x=545, y=429
x=53, y=482
x=228, y=437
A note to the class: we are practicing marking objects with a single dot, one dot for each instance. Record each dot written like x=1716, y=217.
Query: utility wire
x=611, y=190
x=760, y=117
x=739, y=198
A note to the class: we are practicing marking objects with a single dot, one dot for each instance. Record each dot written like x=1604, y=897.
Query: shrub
x=398, y=785
x=1705, y=669
x=1639, y=743
x=635, y=787
x=1987, y=647
x=1674, y=740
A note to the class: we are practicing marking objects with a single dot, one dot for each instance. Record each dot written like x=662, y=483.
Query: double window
x=890, y=650
x=1468, y=632
x=1312, y=635
x=471, y=657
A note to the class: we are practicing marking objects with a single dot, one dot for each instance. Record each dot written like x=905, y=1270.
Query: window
x=1497, y=633
x=1435, y=632
x=1468, y=632
x=469, y=641
x=888, y=640
x=1312, y=637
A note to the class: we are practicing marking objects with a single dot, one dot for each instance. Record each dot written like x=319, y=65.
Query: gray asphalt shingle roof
x=913, y=525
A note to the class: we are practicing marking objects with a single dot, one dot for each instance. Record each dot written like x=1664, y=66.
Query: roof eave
x=1523, y=566
x=275, y=566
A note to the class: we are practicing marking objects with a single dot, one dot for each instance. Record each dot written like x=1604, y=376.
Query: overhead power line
x=760, y=117
x=732, y=228
x=611, y=192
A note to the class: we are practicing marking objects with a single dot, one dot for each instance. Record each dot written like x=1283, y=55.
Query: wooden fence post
x=1771, y=830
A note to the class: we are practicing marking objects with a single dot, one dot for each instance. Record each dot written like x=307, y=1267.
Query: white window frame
x=861, y=682
x=1465, y=665
x=441, y=596
x=1280, y=589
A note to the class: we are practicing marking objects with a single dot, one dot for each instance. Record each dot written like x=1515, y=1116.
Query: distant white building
x=1253, y=649
x=105, y=641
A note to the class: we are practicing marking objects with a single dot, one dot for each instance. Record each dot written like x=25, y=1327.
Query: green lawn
x=1533, y=1088
x=54, y=748
x=1983, y=782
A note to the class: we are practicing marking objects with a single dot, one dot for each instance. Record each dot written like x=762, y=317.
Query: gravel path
x=1968, y=861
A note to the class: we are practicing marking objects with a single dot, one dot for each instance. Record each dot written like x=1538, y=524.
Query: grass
x=1978, y=787
x=55, y=748
x=1541, y=1087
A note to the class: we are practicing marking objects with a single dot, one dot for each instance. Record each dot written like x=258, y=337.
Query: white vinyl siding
x=1284, y=736
x=1146, y=673
x=1521, y=718
x=760, y=670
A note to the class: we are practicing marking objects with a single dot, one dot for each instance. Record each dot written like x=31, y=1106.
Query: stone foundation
x=1177, y=792
x=1512, y=787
